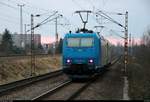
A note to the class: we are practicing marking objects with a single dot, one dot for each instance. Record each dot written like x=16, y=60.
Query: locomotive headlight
x=91, y=61
x=68, y=60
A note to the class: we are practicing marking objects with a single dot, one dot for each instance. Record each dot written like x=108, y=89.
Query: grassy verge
x=16, y=68
x=139, y=79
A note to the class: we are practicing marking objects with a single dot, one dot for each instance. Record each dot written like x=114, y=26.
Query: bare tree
x=146, y=38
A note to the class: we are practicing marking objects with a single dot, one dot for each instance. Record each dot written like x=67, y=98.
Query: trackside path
x=108, y=87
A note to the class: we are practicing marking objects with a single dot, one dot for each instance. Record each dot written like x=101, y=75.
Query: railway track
x=10, y=91
x=53, y=90
x=58, y=88
x=67, y=90
x=80, y=90
x=19, y=55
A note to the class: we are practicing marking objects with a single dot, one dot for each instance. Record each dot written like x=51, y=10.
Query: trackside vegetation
x=139, y=69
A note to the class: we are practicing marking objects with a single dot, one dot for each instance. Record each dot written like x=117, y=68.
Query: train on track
x=85, y=53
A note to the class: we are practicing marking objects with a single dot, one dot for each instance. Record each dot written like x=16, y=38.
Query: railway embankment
x=17, y=68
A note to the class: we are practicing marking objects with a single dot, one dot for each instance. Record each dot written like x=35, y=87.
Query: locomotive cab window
x=73, y=42
x=86, y=42
x=80, y=42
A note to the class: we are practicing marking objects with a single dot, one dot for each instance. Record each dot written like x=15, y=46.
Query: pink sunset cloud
x=116, y=41
x=47, y=39
x=137, y=41
x=112, y=40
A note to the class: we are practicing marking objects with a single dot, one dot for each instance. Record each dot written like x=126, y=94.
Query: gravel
x=31, y=91
x=65, y=92
x=107, y=87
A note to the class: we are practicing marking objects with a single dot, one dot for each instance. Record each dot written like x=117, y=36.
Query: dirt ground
x=109, y=86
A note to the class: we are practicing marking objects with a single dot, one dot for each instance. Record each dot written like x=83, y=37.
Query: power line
x=64, y=26
x=68, y=22
x=45, y=22
x=25, y=11
x=14, y=2
x=104, y=3
x=117, y=34
x=13, y=7
x=39, y=8
x=34, y=7
x=109, y=18
x=49, y=17
x=108, y=12
x=98, y=21
x=28, y=5
x=2, y=3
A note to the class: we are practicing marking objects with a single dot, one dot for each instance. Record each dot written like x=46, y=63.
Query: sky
x=138, y=16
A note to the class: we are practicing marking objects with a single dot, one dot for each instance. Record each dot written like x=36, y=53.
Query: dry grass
x=139, y=82
x=16, y=68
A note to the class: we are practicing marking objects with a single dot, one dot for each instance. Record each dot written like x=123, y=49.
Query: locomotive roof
x=85, y=35
x=82, y=35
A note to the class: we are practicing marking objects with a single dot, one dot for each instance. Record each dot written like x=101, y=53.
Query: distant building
x=20, y=40
x=48, y=47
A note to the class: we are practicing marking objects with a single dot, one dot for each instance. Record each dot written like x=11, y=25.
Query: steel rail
x=20, y=55
x=50, y=92
x=116, y=60
x=68, y=82
x=22, y=83
x=78, y=92
x=62, y=85
x=95, y=77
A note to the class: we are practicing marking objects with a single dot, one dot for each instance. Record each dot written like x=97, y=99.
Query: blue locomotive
x=85, y=53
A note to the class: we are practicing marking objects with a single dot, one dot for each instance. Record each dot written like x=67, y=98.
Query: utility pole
x=32, y=47
x=130, y=45
x=25, y=28
x=126, y=34
x=126, y=43
x=21, y=23
x=56, y=38
x=25, y=32
x=56, y=34
x=125, y=96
